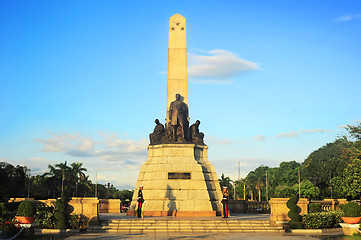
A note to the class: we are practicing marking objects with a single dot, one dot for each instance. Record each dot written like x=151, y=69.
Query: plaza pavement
x=233, y=216
x=184, y=236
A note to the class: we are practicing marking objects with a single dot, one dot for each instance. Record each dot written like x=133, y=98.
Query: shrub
x=320, y=220
x=74, y=221
x=7, y=229
x=351, y=209
x=26, y=209
x=314, y=207
x=8, y=211
x=294, y=213
x=45, y=217
x=61, y=214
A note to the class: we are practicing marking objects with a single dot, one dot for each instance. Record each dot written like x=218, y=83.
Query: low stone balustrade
x=245, y=206
x=279, y=209
x=109, y=205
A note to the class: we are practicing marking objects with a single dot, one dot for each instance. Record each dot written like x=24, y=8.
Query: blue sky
x=271, y=81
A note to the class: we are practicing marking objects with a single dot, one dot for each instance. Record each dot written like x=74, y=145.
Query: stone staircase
x=198, y=226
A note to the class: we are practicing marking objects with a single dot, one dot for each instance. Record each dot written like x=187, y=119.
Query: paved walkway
x=184, y=236
x=234, y=216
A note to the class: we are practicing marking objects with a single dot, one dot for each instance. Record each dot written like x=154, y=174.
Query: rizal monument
x=177, y=178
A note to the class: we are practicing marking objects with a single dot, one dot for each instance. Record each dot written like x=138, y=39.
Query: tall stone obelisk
x=177, y=60
x=177, y=178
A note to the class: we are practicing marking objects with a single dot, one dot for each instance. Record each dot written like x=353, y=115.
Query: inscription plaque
x=179, y=175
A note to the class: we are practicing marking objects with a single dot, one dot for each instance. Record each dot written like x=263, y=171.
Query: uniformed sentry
x=225, y=202
x=140, y=202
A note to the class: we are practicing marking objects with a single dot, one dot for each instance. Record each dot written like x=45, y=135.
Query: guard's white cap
x=140, y=186
x=224, y=187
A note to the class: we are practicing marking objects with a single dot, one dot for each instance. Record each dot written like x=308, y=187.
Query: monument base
x=178, y=180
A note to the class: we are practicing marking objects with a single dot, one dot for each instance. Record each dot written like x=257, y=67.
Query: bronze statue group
x=177, y=128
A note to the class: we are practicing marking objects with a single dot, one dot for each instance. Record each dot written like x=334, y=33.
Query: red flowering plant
x=8, y=228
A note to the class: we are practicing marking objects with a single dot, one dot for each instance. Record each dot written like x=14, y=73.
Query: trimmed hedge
x=61, y=215
x=294, y=213
x=351, y=209
x=320, y=220
x=314, y=207
x=26, y=209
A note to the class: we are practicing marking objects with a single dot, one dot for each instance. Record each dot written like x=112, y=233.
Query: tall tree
x=53, y=179
x=65, y=170
x=78, y=171
x=226, y=182
x=286, y=173
x=12, y=180
x=324, y=163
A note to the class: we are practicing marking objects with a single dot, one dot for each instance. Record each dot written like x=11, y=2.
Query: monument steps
x=203, y=226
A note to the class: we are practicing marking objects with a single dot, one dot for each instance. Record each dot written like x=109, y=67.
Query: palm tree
x=225, y=182
x=64, y=172
x=85, y=186
x=258, y=186
x=243, y=181
x=52, y=178
x=78, y=171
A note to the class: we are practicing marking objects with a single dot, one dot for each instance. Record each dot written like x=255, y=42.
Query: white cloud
x=260, y=138
x=295, y=134
x=214, y=139
x=312, y=131
x=218, y=66
x=110, y=148
x=292, y=134
x=350, y=17
x=65, y=141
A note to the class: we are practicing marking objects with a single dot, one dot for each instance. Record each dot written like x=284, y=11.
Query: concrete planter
x=351, y=220
x=350, y=229
x=25, y=220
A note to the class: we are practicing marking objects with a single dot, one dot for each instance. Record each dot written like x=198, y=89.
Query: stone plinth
x=279, y=209
x=86, y=206
x=165, y=195
x=109, y=205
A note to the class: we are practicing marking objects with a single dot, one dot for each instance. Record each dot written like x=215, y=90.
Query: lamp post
x=29, y=176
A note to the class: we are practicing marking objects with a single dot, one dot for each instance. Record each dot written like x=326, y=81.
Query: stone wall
x=237, y=206
x=279, y=210
x=245, y=206
x=86, y=206
x=109, y=205
x=20, y=199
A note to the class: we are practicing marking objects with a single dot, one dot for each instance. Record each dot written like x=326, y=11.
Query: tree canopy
x=331, y=171
x=71, y=179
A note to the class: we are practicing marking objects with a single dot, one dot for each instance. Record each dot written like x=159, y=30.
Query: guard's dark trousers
x=139, y=211
x=225, y=210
